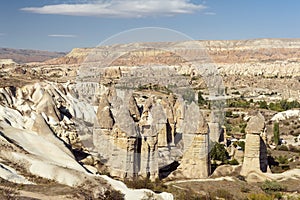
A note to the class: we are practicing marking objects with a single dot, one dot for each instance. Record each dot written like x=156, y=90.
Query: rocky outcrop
x=196, y=161
x=7, y=62
x=255, y=157
x=104, y=115
x=285, y=115
x=37, y=132
x=133, y=109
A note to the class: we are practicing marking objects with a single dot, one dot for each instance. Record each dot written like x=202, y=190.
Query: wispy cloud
x=210, y=13
x=63, y=36
x=120, y=8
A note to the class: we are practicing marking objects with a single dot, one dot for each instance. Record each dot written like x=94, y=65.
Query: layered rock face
x=262, y=57
x=255, y=157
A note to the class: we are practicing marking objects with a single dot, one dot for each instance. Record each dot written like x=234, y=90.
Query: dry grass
x=230, y=190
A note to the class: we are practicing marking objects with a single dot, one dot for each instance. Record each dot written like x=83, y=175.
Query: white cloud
x=64, y=36
x=120, y=8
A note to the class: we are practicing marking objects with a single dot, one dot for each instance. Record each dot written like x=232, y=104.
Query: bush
x=282, y=159
x=241, y=144
x=218, y=152
x=114, y=195
x=260, y=196
x=145, y=183
x=282, y=148
x=243, y=127
x=284, y=105
x=272, y=186
x=228, y=128
x=228, y=113
x=233, y=162
x=238, y=103
x=263, y=105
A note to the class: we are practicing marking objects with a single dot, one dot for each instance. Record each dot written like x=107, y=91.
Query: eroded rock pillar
x=255, y=157
x=196, y=160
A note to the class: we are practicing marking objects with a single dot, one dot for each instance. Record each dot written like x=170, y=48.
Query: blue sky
x=60, y=25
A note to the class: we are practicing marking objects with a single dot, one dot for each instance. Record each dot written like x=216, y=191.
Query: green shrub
x=233, y=162
x=282, y=159
x=260, y=196
x=145, y=183
x=272, y=186
x=238, y=103
x=218, y=152
x=263, y=105
x=282, y=148
x=284, y=105
x=241, y=144
x=228, y=113
x=243, y=127
x=139, y=183
x=228, y=128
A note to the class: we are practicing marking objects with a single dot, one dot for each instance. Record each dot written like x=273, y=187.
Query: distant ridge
x=220, y=51
x=26, y=56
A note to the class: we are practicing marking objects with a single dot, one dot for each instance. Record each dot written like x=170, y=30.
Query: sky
x=61, y=25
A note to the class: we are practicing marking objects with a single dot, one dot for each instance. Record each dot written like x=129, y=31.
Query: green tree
x=263, y=105
x=276, y=133
x=219, y=152
x=201, y=100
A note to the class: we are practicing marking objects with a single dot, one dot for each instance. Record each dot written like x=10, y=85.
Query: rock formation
x=133, y=120
x=196, y=161
x=104, y=115
x=255, y=157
